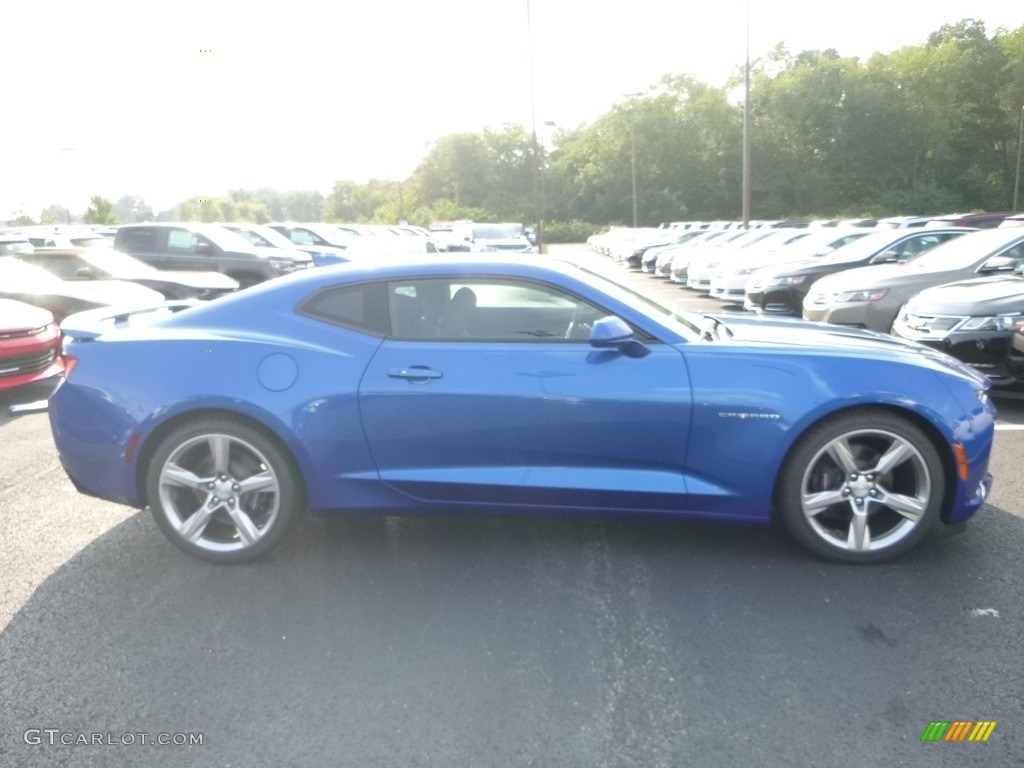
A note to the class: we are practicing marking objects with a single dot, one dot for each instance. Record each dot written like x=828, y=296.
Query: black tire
x=862, y=487
x=222, y=490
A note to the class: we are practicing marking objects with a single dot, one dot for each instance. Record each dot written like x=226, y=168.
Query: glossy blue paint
x=699, y=426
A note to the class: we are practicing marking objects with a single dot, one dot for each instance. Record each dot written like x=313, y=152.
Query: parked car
x=108, y=264
x=871, y=297
x=29, y=345
x=61, y=236
x=204, y=247
x=705, y=264
x=730, y=276
x=903, y=222
x=645, y=258
x=781, y=289
x=14, y=244
x=484, y=236
x=730, y=282
x=987, y=220
x=262, y=236
x=678, y=257
x=1017, y=220
x=35, y=286
x=513, y=385
x=973, y=320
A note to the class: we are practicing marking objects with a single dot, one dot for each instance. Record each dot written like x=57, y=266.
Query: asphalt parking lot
x=498, y=641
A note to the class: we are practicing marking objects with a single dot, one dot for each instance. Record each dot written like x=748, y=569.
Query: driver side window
x=488, y=310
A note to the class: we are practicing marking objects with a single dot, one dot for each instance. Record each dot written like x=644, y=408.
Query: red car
x=29, y=344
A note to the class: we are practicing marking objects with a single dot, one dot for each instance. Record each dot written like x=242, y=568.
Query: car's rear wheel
x=222, y=490
x=862, y=487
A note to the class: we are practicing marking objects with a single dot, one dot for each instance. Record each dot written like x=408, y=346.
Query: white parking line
x=1010, y=427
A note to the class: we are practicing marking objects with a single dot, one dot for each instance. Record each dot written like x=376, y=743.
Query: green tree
x=55, y=214
x=100, y=211
x=131, y=209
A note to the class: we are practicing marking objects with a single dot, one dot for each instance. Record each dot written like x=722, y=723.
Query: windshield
x=225, y=238
x=684, y=324
x=867, y=246
x=263, y=237
x=965, y=251
x=496, y=231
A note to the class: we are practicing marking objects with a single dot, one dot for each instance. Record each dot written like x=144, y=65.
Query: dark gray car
x=973, y=320
x=205, y=247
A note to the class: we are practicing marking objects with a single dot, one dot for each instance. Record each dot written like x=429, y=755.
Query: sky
x=195, y=98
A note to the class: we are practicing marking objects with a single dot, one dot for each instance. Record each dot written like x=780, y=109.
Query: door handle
x=415, y=373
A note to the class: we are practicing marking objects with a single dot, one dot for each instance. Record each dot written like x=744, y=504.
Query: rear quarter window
x=361, y=307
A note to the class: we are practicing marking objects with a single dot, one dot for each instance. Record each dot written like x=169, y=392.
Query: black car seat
x=457, y=316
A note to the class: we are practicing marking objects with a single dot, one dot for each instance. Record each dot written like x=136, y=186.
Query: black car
x=780, y=289
x=204, y=247
x=107, y=264
x=972, y=320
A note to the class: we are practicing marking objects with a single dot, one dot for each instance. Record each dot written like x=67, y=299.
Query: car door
x=488, y=390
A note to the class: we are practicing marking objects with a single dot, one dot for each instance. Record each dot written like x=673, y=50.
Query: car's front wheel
x=222, y=490
x=862, y=487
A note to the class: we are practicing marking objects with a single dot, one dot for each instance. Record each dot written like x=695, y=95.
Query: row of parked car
x=48, y=273
x=955, y=283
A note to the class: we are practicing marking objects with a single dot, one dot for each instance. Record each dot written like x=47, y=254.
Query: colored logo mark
x=958, y=730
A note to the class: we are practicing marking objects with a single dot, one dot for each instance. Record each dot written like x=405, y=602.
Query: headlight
x=282, y=265
x=794, y=280
x=848, y=296
x=1007, y=323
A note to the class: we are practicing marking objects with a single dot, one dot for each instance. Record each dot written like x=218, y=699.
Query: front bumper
x=987, y=352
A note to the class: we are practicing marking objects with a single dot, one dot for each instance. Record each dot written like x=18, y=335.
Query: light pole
x=745, y=194
x=632, y=147
x=1020, y=140
x=69, y=187
x=539, y=223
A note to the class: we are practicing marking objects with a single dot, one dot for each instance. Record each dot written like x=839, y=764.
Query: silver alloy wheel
x=865, y=490
x=219, y=493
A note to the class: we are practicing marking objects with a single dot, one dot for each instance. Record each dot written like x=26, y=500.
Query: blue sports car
x=511, y=386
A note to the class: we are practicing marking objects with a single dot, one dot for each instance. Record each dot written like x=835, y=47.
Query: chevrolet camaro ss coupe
x=511, y=386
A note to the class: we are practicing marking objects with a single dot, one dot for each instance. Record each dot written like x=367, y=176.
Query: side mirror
x=614, y=333
x=999, y=264
x=84, y=273
x=887, y=258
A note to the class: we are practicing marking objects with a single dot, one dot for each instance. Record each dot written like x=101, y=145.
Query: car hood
x=296, y=255
x=108, y=292
x=193, y=279
x=867, y=277
x=100, y=292
x=801, y=266
x=18, y=316
x=980, y=296
x=837, y=339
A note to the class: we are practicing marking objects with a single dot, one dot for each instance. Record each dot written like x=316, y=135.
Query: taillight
x=69, y=364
